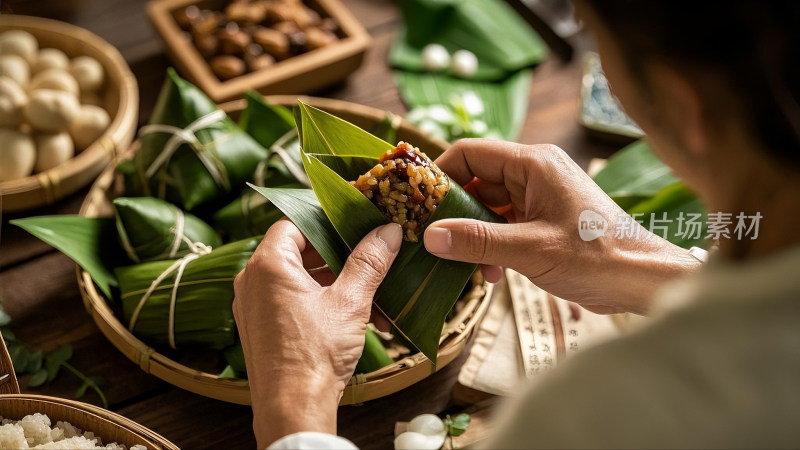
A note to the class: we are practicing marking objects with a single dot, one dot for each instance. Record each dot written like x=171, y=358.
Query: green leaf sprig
x=456, y=426
x=45, y=367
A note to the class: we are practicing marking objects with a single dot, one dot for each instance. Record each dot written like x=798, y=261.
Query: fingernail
x=438, y=241
x=391, y=235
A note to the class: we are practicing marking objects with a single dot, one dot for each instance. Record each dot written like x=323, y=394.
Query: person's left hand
x=302, y=336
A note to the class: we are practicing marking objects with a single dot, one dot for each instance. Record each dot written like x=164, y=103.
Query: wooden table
x=39, y=290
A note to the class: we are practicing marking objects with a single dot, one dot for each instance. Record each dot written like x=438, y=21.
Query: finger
x=369, y=262
x=492, y=274
x=480, y=242
x=482, y=158
x=280, y=252
x=491, y=194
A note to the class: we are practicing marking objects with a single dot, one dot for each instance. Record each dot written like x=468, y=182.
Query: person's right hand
x=546, y=192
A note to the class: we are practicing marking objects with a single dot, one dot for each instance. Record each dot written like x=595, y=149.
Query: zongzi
x=151, y=229
x=406, y=186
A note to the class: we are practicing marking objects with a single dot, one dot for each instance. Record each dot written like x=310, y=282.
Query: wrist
x=284, y=404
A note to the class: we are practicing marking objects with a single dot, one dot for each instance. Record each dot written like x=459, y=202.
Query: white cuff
x=699, y=254
x=311, y=440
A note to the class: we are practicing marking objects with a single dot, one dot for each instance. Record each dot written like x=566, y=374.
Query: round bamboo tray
x=108, y=426
x=120, y=97
x=363, y=387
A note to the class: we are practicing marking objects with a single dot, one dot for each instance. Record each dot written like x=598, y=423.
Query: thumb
x=369, y=262
x=474, y=241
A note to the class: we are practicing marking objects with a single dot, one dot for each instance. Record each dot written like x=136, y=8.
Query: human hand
x=545, y=193
x=302, y=336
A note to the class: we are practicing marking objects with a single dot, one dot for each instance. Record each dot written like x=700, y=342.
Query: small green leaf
x=458, y=425
x=34, y=362
x=82, y=390
x=39, y=378
x=62, y=353
x=52, y=367
x=19, y=357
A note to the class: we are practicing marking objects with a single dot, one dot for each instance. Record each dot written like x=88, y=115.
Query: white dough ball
x=14, y=67
x=12, y=102
x=465, y=63
x=55, y=79
x=411, y=440
x=89, y=125
x=88, y=72
x=52, y=150
x=17, y=154
x=50, y=58
x=435, y=57
x=21, y=43
x=51, y=111
x=427, y=424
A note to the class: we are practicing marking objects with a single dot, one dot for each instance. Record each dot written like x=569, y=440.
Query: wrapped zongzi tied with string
x=360, y=182
x=151, y=229
x=185, y=302
x=191, y=153
x=273, y=127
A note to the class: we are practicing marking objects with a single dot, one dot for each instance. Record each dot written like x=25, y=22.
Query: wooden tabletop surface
x=38, y=285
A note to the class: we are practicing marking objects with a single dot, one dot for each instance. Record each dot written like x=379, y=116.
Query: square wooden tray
x=300, y=74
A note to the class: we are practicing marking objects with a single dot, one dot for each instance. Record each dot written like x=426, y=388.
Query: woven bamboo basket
x=109, y=426
x=361, y=388
x=120, y=97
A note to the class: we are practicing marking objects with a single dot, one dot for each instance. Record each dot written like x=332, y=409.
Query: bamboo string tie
x=197, y=250
x=187, y=136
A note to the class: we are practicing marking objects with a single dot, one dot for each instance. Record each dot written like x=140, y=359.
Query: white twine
x=288, y=161
x=173, y=248
x=187, y=136
x=180, y=222
x=197, y=249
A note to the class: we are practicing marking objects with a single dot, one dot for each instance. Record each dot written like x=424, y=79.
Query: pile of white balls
x=436, y=58
x=42, y=119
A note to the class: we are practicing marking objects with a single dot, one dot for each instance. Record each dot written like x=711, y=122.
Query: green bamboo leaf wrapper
x=491, y=29
x=184, y=179
x=420, y=289
x=148, y=230
x=90, y=242
x=203, y=314
x=252, y=214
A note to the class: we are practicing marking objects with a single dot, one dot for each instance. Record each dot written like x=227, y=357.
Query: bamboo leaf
x=505, y=101
x=90, y=242
x=303, y=208
x=501, y=40
x=374, y=355
x=634, y=174
x=672, y=205
x=264, y=122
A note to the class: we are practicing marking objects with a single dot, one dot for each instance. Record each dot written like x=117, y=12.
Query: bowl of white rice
x=41, y=422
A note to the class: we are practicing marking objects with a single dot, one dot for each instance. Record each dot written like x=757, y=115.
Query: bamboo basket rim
x=47, y=187
x=89, y=417
x=362, y=387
